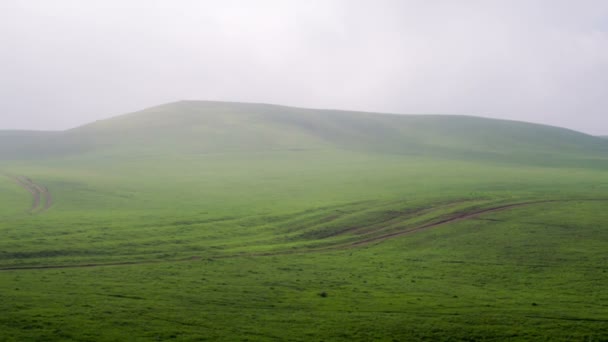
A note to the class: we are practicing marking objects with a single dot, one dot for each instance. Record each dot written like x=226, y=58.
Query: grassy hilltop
x=232, y=221
x=198, y=127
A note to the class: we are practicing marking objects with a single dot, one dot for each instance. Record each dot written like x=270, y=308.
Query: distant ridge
x=199, y=127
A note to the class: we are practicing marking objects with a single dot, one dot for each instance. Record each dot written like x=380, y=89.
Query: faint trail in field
x=570, y=318
x=121, y=263
x=24, y=183
x=395, y=217
x=455, y=218
x=41, y=196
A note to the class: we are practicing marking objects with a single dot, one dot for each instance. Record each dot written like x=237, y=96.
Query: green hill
x=249, y=222
x=197, y=127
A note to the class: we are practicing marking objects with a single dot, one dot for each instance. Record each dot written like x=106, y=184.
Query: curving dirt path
x=41, y=196
x=455, y=218
x=452, y=219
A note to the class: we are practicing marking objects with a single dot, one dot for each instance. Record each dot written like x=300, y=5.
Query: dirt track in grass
x=366, y=241
x=452, y=219
x=41, y=196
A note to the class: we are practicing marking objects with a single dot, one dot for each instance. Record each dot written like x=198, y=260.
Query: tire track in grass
x=452, y=219
x=360, y=243
x=41, y=196
x=88, y=265
x=25, y=184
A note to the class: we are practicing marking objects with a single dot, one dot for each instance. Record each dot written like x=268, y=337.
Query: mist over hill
x=202, y=127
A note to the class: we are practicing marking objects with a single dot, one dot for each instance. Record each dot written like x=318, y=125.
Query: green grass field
x=214, y=221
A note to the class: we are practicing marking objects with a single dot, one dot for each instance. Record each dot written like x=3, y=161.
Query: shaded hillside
x=19, y=144
x=198, y=127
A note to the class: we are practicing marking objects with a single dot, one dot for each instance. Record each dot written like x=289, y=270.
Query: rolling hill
x=231, y=222
x=198, y=127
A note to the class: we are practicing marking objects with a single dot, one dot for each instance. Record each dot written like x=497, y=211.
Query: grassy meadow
x=235, y=222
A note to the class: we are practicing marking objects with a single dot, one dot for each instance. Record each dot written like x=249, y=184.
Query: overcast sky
x=65, y=63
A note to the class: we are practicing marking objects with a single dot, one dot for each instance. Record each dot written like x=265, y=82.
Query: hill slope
x=195, y=127
x=223, y=221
